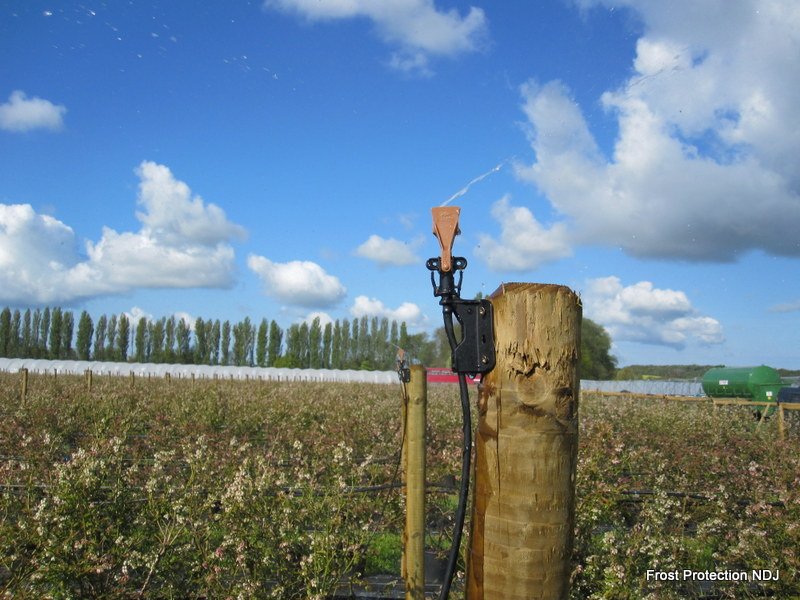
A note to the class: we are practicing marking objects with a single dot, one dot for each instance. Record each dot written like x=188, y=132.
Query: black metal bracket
x=474, y=352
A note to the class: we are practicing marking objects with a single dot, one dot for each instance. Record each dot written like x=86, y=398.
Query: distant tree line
x=359, y=343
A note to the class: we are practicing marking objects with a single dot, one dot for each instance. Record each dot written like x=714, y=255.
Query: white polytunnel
x=79, y=367
x=646, y=386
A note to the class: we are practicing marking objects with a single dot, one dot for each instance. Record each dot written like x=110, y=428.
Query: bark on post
x=414, y=467
x=526, y=448
x=23, y=383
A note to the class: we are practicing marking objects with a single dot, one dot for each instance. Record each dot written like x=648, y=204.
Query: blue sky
x=279, y=159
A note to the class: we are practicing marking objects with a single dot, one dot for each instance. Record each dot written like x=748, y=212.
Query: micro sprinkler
x=472, y=352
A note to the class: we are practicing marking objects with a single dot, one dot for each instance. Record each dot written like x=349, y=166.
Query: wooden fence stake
x=781, y=423
x=526, y=448
x=88, y=374
x=24, y=383
x=415, y=407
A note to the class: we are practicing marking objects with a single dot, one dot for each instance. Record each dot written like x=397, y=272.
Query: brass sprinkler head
x=445, y=228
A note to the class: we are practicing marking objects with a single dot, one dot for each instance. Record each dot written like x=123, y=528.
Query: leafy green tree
x=169, y=340
x=111, y=338
x=200, y=342
x=215, y=342
x=15, y=342
x=140, y=341
x=327, y=342
x=157, y=336
x=99, y=338
x=225, y=347
x=304, y=346
x=84, y=341
x=443, y=355
x=243, y=337
x=402, y=339
x=353, y=347
x=315, y=344
x=209, y=332
x=26, y=335
x=275, y=342
x=419, y=347
x=596, y=360
x=249, y=342
x=336, y=346
x=292, y=358
x=261, y=343
x=5, y=331
x=55, y=333
x=344, y=352
x=36, y=323
x=67, y=330
x=123, y=337
x=44, y=332
x=383, y=352
x=364, y=342
x=183, y=341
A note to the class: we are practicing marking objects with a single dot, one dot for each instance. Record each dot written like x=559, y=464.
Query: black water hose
x=466, y=455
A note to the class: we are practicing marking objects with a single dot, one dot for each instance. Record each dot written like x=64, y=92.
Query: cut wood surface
x=526, y=448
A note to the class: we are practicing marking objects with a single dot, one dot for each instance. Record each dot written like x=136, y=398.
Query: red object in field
x=440, y=375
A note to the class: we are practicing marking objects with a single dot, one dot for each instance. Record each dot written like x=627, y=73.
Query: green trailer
x=759, y=384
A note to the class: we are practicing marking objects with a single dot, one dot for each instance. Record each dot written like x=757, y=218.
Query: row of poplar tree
x=360, y=343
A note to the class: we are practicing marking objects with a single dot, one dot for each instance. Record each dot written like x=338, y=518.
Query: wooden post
x=526, y=448
x=88, y=374
x=763, y=416
x=132, y=378
x=415, y=407
x=23, y=383
x=781, y=423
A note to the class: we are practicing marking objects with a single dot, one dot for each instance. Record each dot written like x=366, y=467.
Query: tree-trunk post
x=88, y=375
x=23, y=383
x=415, y=408
x=781, y=423
x=526, y=448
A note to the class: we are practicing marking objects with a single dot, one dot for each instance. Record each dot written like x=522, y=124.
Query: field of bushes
x=218, y=489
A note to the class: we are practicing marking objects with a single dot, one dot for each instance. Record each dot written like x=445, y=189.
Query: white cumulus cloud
x=643, y=313
x=372, y=307
x=387, y=252
x=704, y=165
x=21, y=113
x=416, y=27
x=524, y=242
x=40, y=260
x=298, y=283
x=172, y=216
